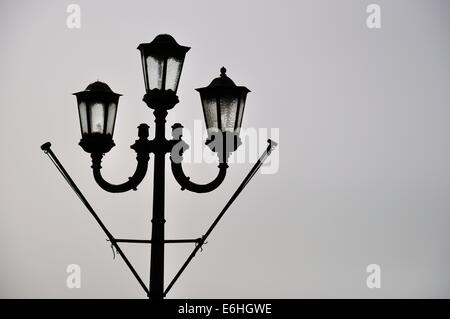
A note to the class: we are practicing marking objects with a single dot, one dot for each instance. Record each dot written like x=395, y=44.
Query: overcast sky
x=364, y=150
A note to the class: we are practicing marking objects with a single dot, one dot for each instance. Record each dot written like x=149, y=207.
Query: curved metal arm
x=185, y=182
x=133, y=181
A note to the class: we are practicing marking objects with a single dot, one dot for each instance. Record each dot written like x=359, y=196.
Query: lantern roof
x=163, y=44
x=223, y=81
x=98, y=87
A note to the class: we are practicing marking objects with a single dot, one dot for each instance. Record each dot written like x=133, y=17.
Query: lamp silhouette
x=223, y=104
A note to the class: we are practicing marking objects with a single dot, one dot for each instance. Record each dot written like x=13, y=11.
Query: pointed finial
x=223, y=71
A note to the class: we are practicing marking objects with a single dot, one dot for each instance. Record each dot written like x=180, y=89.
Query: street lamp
x=223, y=106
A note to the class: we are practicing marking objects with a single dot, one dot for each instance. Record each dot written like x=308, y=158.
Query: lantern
x=223, y=104
x=162, y=62
x=97, y=108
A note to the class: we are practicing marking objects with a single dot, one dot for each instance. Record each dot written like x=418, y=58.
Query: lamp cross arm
x=176, y=158
x=133, y=181
x=141, y=148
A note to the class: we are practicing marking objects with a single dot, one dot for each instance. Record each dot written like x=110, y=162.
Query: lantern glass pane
x=210, y=111
x=240, y=112
x=112, y=110
x=83, y=117
x=228, y=109
x=144, y=69
x=97, y=117
x=173, y=72
x=154, y=72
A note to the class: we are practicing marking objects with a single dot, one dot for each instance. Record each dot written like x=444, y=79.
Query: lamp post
x=223, y=107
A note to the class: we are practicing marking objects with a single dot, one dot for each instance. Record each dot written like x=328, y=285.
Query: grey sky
x=364, y=148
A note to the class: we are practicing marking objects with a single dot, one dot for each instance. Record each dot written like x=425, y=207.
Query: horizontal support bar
x=167, y=241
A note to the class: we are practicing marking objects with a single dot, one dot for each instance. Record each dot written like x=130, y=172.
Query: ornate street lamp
x=223, y=107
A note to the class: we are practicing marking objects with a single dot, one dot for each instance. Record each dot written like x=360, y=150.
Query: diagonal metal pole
x=244, y=183
x=47, y=150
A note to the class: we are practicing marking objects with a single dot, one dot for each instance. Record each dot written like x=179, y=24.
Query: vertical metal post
x=156, y=290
